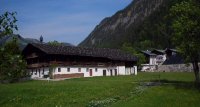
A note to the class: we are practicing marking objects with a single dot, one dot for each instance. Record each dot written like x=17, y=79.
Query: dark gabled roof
x=158, y=52
x=173, y=50
x=148, y=53
x=113, y=54
x=174, y=59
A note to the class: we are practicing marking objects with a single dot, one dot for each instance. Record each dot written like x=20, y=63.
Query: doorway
x=90, y=72
x=111, y=73
x=104, y=72
x=115, y=72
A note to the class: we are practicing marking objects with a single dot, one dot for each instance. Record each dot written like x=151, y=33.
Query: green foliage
x=186, y=26
x=186, y=31
x=146, y=44
x=7, y=23
x=52, y=70
x=12, y=65
x=127, y=47
x=55, y=43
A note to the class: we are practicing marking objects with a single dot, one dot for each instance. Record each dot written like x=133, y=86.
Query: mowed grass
x=177, y=91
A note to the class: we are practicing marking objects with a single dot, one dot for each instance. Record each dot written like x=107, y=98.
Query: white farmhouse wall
x=46, y=71
x=96, y=71
x=164, y=57
x=128, y=71
x=86, y=71
x=38, y=73
x=99, y=71
x=160, y=59
x=152, y=60
x=135, y=70
x=131, y=70
x=121, y=70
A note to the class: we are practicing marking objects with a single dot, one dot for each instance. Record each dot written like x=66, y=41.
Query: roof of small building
x=157, y=51
x=148, y=53
x=113, y=54
x=173, y=50
x=174, y=59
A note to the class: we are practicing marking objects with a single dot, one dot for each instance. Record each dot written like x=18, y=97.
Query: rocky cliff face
x=112, y=31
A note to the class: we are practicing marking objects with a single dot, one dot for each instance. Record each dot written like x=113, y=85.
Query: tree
x=12, y=65
x=55, y=43
x=186, y=32
x=7, y=23
x=129, y=48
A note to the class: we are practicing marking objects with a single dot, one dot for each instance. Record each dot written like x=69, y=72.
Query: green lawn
x=121, y=91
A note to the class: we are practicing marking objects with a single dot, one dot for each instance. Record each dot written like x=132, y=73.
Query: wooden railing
x=37, y=65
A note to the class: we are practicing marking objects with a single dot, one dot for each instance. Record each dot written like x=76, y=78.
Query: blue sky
x=62, y=20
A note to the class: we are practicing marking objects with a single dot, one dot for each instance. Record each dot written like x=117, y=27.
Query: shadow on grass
x=179, y=84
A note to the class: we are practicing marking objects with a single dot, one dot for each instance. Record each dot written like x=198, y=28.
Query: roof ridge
x=115, y=54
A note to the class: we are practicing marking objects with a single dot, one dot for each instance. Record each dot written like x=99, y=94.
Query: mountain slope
x=142, y=24
x=22, y=41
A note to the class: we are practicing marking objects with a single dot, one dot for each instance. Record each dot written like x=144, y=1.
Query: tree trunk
x=196, y=71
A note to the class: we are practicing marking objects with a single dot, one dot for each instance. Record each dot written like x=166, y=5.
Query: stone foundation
x=175, y=68
x=74, y=75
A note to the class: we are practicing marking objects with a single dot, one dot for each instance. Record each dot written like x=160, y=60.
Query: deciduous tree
x=7, y=23
x=129, y=49
x=186, y=31
x=12, y=65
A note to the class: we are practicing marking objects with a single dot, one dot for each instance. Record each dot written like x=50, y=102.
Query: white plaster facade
x=96, y=71
x=160, y=59
x=154, y=62
x=151, y=66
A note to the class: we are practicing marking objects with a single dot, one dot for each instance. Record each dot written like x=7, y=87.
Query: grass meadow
x=176, y=90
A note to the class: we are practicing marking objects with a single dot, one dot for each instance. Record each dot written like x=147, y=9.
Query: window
x=87, y=69
x=68, y=69
x=96, y=69
x=79, y=69
x=43, y=71
x=59, y=70
x=36, y=72
x=115, y=72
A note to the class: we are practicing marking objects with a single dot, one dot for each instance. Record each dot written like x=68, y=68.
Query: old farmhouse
x=72, y=62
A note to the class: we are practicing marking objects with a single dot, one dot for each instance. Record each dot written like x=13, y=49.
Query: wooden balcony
x=37, y=65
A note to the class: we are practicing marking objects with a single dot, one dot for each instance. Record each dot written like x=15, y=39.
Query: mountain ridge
x=23, y=41
x=127, y=26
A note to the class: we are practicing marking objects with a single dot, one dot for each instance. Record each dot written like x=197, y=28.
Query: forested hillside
x=143, y=24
